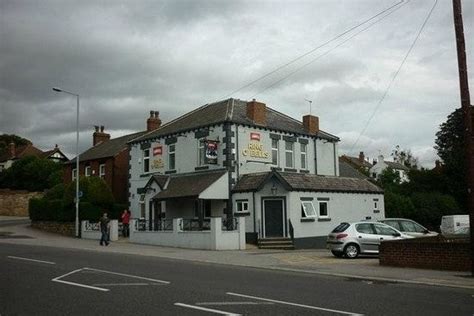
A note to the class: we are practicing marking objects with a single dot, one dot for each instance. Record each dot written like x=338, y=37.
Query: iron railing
x=165, y=224
x=229, y=224
x=192, y=224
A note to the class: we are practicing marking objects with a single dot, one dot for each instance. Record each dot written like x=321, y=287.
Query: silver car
x=409, y=227
x=351, y=239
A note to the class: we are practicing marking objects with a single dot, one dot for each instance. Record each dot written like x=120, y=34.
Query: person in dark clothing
x=104, y=229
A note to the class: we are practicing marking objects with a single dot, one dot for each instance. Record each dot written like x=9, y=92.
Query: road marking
x=128, y=275
x=293, y=304
x=206, y=309
x=28, y=259
x=119, y=284
x=57, y=279
x=235, y=303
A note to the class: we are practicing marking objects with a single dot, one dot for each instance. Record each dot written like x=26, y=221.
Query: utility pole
x=466, y=109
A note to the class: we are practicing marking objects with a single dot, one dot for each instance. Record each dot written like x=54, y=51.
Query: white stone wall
x=92, y=231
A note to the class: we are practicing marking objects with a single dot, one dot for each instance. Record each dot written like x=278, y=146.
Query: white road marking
x=28, y=259
x=128, y=275
x=293, y=304
x=57, y=279
x=206, y=309
x=235, y=303
x=119, y=284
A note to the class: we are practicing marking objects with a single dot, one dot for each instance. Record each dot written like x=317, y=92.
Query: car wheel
x=337, y=254
x=351, y=251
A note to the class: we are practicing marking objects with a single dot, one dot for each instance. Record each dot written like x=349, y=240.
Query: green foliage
x=89, y=212
x=6, y=139
x=31, y=173
x=450, y=142
x=389, y=179
x=94, y=190
x=431, y=206
x=404, y=157
x=56, y=193
x=49, y=210
x=398, y=205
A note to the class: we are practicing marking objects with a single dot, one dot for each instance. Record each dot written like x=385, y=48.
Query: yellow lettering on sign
x=158, y=164
x=255, y=150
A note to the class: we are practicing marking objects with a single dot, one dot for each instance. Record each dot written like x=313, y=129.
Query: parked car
x=455, y=225
x=351, y=239
x=408, y=227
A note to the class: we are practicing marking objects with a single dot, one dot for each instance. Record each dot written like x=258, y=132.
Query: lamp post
x=77, y=155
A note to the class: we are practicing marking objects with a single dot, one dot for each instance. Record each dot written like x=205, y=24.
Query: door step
x=276, y=243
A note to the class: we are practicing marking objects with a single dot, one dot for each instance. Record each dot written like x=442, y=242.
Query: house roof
x=306, y=182
x=230, y=110
x=51, y=152
x=356, y=162
x=108, y=148
x=20, y=152
x=188, y=185
x=348, y=171
x=396, y=165
x=160, y=179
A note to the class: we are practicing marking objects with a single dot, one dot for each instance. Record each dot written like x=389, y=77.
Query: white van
x=454, y=224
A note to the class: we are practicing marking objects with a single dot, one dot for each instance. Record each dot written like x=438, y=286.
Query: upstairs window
x=102, y=171
x=146, y=160
x=87, y=171
x=201, y=152
x=74, y=174
x=304, y=156
x=275, y=152
x=171, y=157
x=289, y=154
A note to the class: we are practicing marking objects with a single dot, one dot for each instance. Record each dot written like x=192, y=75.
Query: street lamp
x=77, y=156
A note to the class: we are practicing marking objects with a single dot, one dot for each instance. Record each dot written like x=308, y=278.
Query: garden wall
x=427, y=253
x=68, y=229
x=15, y=203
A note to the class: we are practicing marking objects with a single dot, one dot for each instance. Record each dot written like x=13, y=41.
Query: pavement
x=314, y=261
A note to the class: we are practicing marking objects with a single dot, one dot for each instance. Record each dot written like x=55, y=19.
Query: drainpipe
x=237, y=151
x=228, y=159
x=335, y=159
x=315, y=157
x=254, y=214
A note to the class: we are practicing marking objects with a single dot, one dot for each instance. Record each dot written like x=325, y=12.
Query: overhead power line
x=313, y=50
x=394, y=76
x=327, y=52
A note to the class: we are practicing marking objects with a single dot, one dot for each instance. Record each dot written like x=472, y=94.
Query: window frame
x=201, y=152
x=305, y=212
x=292, y=152
x=304, y=156
x=146, y=160
x=87, y=171
x=102, y=170
x=172, y=156
x=275, y=152
x=242, y=203
x=320, y=203
x=74, y=174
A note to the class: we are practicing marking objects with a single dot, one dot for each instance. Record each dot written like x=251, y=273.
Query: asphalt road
x=77, y=282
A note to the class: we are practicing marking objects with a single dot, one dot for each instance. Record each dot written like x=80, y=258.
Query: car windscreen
x=340, y=228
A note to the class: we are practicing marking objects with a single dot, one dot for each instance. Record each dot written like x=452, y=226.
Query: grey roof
x=108, y=148
x=189, y=185
x=356, y=162
x=293, y=181
x=396, y=165
x=346, y=170
x=230, y=110
x=160, y=179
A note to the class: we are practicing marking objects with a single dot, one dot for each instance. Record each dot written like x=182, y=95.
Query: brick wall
x=68, y=229
x=15, y=203
x=427, y=253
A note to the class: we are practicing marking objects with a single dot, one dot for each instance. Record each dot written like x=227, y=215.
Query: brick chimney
x=12, y=149
x=99, y=136
x=361, y=157
x=257, y=112
x=153, y=122
x=311, y=124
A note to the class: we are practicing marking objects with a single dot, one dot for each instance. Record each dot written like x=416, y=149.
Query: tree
x=6, y=139
x=404, y=157
x=450, y=148
x=389, y=179
x=31, y=173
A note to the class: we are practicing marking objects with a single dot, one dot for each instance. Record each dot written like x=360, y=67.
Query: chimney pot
x=102, y=128
x=99, y=136
x=361, y=157
x=151, y=113
x=153, y=122
x=96, y=128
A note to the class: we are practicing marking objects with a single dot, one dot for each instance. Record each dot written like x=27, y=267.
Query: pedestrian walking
x=104, y=224
x=126, y=223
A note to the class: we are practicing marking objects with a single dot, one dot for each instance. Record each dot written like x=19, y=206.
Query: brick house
x=17, y=152
x=108, y=158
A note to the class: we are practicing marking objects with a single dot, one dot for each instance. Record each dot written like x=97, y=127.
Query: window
x=74, y=174
x=102, y=170
x=289, y=152
x=408, y=226
x=87, y=171
x=307, y=209
x=206, y=205
x=323, y=209
x=304, y=159
x=242, y=206
x=275, y=152
x=171, y=156
x=142, y=205
x=201, y=152
x=385, y=230
x=365, y=228
x=146, y=160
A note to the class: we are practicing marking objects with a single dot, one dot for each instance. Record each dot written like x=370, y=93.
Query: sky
x=125, y=58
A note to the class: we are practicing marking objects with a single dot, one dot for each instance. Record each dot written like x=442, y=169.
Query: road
x=50, y=281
